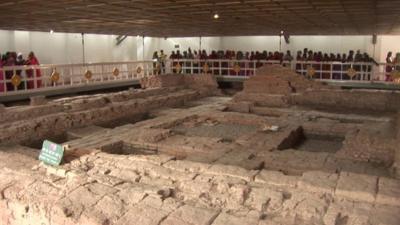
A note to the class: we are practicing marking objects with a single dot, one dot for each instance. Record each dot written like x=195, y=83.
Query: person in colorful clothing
x=30, y=74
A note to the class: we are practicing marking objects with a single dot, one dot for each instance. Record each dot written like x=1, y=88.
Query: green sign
x=51, y=153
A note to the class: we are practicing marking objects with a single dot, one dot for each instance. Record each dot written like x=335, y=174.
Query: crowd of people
x=14, y=59
x=249, y=59
x=256, y=58
x=305, y=55
x=393, y=64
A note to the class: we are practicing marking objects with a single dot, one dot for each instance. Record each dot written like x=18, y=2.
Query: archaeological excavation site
x=284, y=150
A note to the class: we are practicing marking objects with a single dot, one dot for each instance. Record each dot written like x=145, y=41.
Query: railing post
x=34, y=79
x=220, y=67
x=320, y=71
x=5, y=81
x=254, y=68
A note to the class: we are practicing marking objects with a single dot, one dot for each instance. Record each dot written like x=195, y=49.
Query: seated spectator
x=30, y=74
x=288, y=56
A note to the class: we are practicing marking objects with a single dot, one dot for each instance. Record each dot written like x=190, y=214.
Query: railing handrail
x=21, y=67
x=36, y=77
x=41, y=66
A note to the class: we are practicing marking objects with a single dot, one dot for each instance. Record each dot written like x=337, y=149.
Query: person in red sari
x=30, y=74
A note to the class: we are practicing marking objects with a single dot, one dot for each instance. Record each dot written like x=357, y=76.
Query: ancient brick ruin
x=284, y=151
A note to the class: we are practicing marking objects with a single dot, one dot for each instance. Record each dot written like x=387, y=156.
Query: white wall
x=332, y=44
x=67, y=48
x=390, y=43
x=251, y=43
x=168, y=45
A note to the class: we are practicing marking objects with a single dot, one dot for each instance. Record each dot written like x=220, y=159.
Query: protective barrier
x=17, y=79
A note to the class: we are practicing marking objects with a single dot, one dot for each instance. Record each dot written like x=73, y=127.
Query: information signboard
x=51, y=153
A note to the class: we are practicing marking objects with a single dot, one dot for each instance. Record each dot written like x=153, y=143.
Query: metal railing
x=356, y=71
x=17, y=79
x=327, y=71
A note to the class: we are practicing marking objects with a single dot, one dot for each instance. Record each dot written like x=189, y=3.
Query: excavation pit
x=319, y=143
x=125, y=120
x=122, y=148
x=59, y=139
x=302, y=140
x=228, y=132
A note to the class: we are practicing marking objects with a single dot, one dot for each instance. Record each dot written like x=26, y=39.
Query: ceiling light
x=51, y=31
x=216, y=16
x=282, y=32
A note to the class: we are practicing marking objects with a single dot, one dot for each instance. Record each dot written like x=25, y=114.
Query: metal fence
x=25, y=79
x=333, y=71
x=16, y=79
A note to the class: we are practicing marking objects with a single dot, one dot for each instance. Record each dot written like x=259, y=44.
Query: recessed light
x=51, y=31
x=216, y=16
